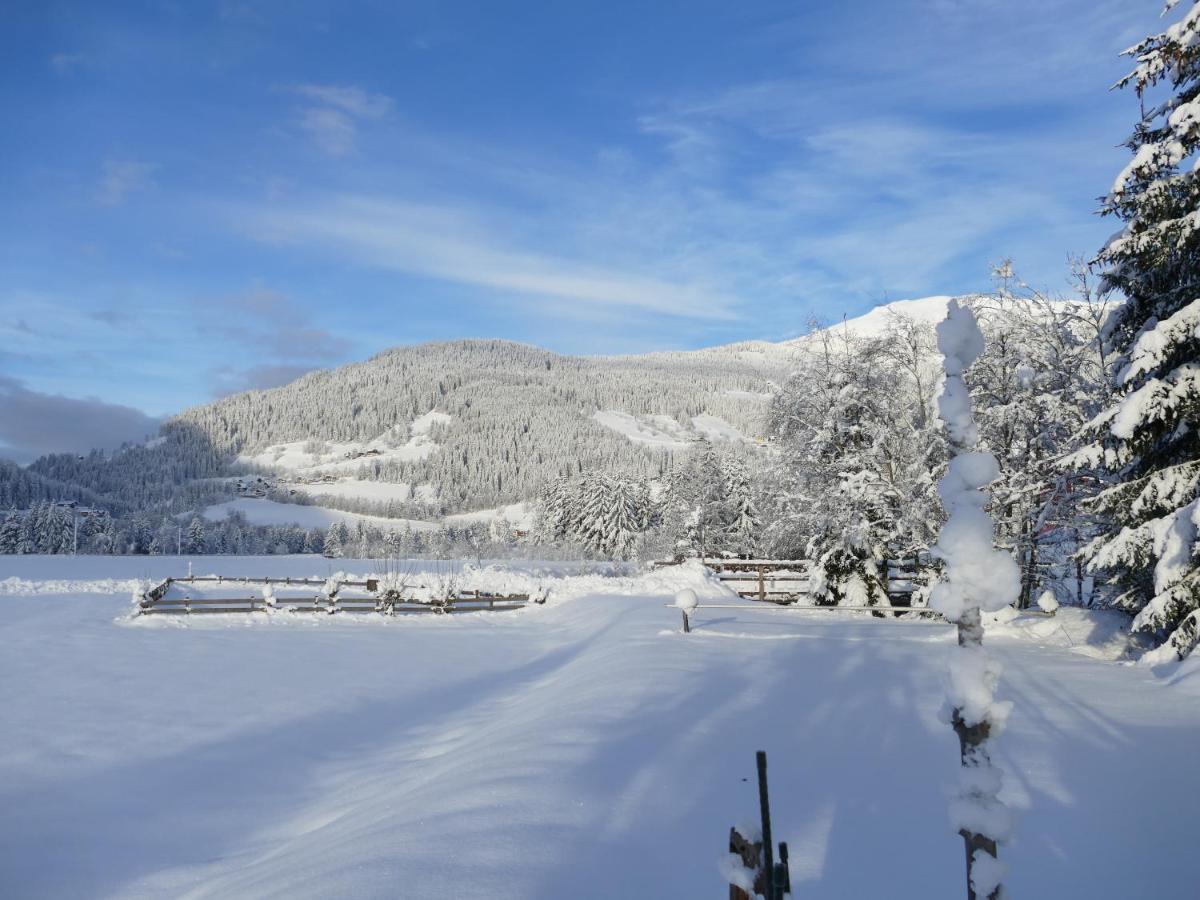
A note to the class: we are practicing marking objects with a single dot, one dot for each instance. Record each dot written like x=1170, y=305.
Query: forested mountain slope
x=474, y=423
x=445, y=427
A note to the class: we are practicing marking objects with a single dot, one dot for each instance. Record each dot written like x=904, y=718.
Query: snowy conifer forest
x=470, y=618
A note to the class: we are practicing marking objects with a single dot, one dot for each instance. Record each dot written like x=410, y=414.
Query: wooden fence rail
x=784, y=581
x=371, y=599
x=917, y=612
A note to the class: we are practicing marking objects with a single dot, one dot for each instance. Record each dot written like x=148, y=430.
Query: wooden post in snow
x=750, y=853
x=686, y=601
x=770, y=880
x=764, y=806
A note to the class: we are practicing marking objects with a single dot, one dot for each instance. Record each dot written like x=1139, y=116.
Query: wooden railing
x=352, y=596
x=784, y=581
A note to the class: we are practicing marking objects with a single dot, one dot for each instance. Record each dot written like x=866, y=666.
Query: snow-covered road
x=585, y=749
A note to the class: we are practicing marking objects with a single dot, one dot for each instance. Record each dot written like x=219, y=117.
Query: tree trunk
x=972, y=740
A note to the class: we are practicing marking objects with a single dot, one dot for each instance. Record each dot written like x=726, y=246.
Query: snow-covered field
x=664, y=433
x=261, y=511
x=518, y=515
x=353, y=489
x=584, y=749
x=332, y=457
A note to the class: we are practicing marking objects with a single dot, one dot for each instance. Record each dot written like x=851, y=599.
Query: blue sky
x=202, y=197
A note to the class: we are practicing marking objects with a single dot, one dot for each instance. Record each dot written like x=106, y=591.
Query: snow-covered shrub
x=141, y=587
x=847, y=577
x=1047, y=602
x=853, y=481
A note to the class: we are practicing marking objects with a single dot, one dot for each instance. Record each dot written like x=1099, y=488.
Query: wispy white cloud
x=856, y=202
x=66, y=63
x=353, y=100
x=120, y=178
x=333, y=114
x=449, y=243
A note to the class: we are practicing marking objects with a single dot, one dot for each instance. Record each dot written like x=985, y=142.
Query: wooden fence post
x=762, y=584
x=765, y=810
x=751, y=855
x=771, y=881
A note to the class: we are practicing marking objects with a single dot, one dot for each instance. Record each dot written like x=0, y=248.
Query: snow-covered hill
x=445, y=428
x=929, y=310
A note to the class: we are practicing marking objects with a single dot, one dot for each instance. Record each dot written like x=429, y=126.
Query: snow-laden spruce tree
x=603, y=513
x=194, y=539
x=695, y=502
x=977, y=578
x=335, y=540
x=744, y=521
x=853, y=474
x=10, y=533
x=1149, y=438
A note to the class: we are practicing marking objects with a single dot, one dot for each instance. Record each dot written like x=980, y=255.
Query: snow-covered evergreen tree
x=10, y=533
x=1149, y=440
x=556, y=511
x=335, y=541
x=193, y=541
x=604, y=514
x=314, y=542
x=743, y=529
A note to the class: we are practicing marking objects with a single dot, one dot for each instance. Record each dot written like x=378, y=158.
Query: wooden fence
x=187, y=596
x=784, y=581
x=916, y=613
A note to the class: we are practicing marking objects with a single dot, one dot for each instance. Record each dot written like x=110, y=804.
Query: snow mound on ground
x=1186, y=675
x=14, y=586
x=1097, y=633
